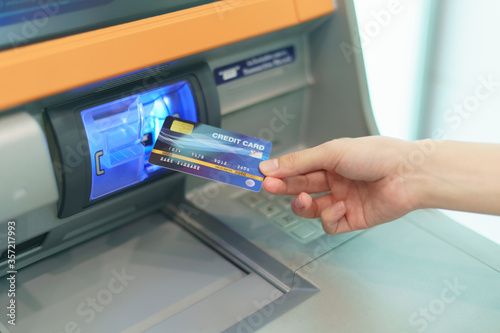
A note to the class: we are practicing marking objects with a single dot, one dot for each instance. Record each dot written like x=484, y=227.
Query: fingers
x=314, y=182
x=301, y=162
x=332, y=214
x=305, y=206
x=334, y=220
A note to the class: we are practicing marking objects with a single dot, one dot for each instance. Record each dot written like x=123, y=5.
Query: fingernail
x=338, y=207
x=269, y=166
x=298, y=203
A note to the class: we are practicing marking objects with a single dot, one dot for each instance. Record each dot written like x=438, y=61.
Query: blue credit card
x=211, y=152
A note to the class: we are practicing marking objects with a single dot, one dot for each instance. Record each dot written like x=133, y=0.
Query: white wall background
x=393, y=37
x=414, y=95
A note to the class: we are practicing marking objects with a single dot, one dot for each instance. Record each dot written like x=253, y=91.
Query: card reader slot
x=103, y=138
x=117, y=130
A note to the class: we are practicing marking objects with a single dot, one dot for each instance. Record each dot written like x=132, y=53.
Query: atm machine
x=95, y=239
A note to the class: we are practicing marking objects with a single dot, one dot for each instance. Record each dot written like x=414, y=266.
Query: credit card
x=211, y=152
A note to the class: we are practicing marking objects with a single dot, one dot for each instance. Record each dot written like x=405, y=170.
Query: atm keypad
x=253, y=199
x=287, y=219
x=285, y=201
x=270, y=209
x=304, y=231
x=276, y=209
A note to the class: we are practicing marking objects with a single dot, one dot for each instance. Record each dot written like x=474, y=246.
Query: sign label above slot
x=254, y=65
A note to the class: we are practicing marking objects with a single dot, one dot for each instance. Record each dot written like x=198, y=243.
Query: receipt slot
x=107, y=149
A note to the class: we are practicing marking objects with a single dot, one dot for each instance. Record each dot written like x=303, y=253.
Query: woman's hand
x=361, y=178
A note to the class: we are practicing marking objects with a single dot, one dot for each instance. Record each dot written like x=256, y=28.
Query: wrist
x=418, y=168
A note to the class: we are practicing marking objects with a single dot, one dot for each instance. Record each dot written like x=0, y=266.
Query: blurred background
x=433, y=71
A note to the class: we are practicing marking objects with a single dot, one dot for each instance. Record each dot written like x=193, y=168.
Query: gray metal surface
x=396, y=278
x=64, y=233
x=251, y=304
x=28, y=180
x=227, y=206
x=338, y=104
x=458, y=236
x=128, y=280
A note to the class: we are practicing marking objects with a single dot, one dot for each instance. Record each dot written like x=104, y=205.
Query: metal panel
x=28, y=180
x=396, y=278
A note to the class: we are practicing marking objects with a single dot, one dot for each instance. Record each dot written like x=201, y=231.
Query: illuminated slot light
x=122, y=133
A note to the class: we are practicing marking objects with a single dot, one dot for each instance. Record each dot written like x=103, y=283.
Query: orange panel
x=311, y=9
x=36, y=71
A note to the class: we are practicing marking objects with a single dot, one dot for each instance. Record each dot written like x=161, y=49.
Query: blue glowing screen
x=122, y=133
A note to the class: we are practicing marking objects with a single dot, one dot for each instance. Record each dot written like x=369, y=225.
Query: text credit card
x=211, y=153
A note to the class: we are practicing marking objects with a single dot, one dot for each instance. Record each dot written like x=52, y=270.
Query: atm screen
x=23, y=22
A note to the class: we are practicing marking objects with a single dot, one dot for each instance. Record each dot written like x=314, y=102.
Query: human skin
x=372, y=180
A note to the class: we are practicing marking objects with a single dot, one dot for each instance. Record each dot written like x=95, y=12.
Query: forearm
x=458, y=176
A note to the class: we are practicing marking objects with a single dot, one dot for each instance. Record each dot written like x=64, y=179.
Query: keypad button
x=253, y=199
x=270, y=210
x=304, y=231
x=317, y=222
x=276, y=208
x=286, y=219
x=267, y=196
x=286, y=201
